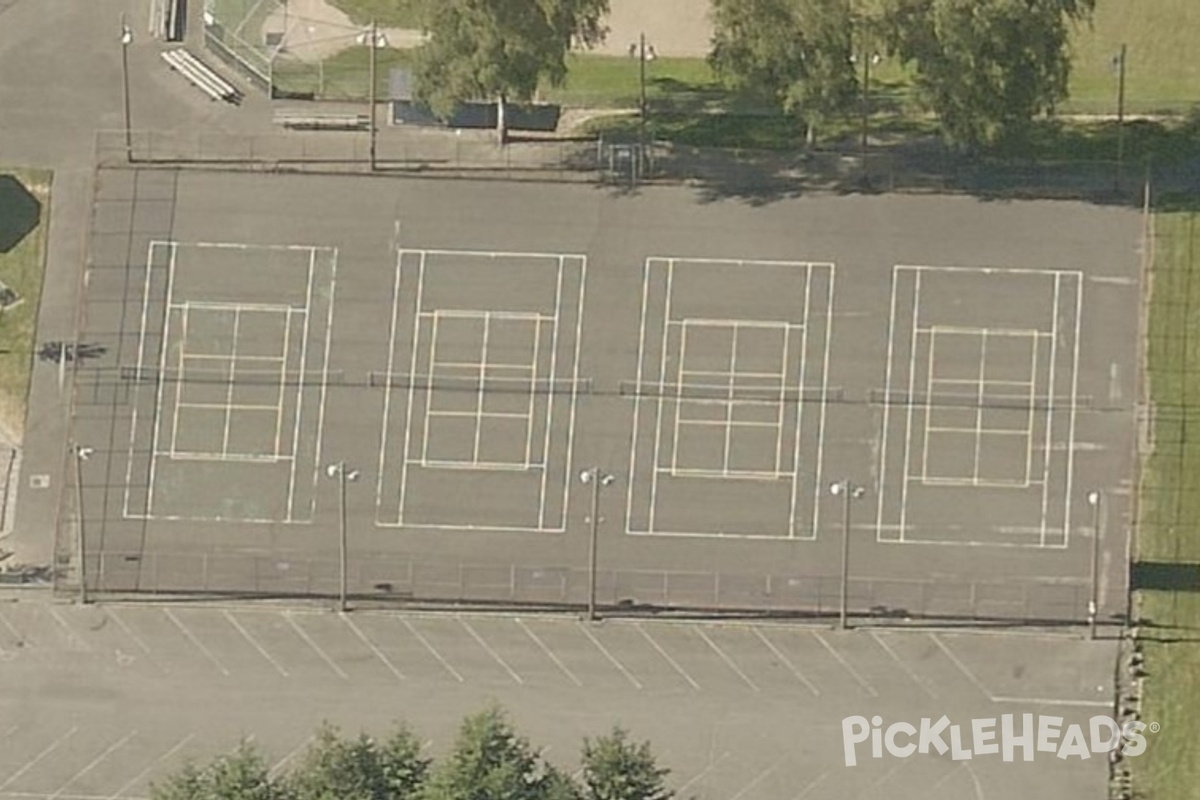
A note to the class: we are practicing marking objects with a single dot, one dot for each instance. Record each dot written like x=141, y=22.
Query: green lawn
x=343, y=76
x=1170, y=513
x=21, y=269
x=385, y=13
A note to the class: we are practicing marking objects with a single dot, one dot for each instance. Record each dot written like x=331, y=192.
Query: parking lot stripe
x=119, y=794
x=699, y=776
x=413, y=630
x=73, y=639
x=786, y=661
x=812, y=785
x=667, y=656
x=274, y=771
x=846, y=665
x=111, y=613
x=759, y=778
x=112, y=748
x=729, y=661
x=903, y=665
x=549, y=653
x=16, y=634
x=254, y=643
x=378, y=653
x=324, y=656
x=971, y=676
x=612, y=659
x=199, y=645
x=38, y=758
x=490, y=651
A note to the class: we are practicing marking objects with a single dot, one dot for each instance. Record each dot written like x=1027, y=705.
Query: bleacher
x=202, y=76
x=296, y=119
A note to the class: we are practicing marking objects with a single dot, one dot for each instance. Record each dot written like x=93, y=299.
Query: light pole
x=847, y=491
x=373, y=43
x=81, y=454
x=595, y=477
x=342, y=474
x=643, y=107
x=126, y=40
x=1095, y=500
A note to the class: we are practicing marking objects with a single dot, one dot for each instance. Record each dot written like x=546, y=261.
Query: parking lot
x=126, y=693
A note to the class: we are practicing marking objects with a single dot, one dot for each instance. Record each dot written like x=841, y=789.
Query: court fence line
x=404, y=579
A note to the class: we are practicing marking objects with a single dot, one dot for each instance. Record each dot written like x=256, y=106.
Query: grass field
x=21, y=269
x=1170, y=514
x=385, y=13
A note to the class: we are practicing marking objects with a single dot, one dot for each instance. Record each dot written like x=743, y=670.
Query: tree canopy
x=500, y=49
x=617, y=768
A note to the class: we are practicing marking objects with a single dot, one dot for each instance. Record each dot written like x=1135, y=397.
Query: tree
x=615, y=768
x=241, y=775
x=500, y=49
x=334, y=768
x=795, y=52
x=986, y=68
x=491, y=762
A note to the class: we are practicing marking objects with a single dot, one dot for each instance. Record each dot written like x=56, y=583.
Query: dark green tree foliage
x=616, y=768
x=491, y=762
x=500, y=49
x=334, y=768
x=241, y=775
x=796, y=52
x=986, y=67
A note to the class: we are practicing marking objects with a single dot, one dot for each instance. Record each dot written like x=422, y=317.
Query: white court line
x=370, y=644
x=133, y=426
x=491, y=652
x=1074, y=402
x=1042, y=701
x=387, y=391
x=308, y=304
x=324, y=656
x=977, y=270
x=794, y=498
x=887, y=413
x=280, y=398
x=38, y=758
x=660, y=400
x=531, y=409
x=95, y=762
x=637, y=400
x=237, y=323
x=483, y=357
x=162, y=369
x=179, y=383
x=903, y=665
x=277, y=768
x=1050, y=409
x=476, y=313
x=912, y=376
x=851, y=671
x=416, y=349
x=728, y=407
x=682, y=672
x=198, y=644
x=781, y=411
x=820, y=460
x=433, y=651
x=971, y=676
x=183, y=455
x=235, y=407
x=611, y=658
x=1033, y=372
x=254, y=643
x=986, y=432
x=480, y=415
x=120, y=793
x=318, y=446
x=929, y=407
x=549, y=653
x=979, y=403
x=543, y=485
x=728, y=661
x=787, y=662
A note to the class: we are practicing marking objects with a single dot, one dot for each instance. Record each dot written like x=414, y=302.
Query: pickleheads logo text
x=1027, y=734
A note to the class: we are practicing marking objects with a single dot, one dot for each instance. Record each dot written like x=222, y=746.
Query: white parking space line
x=33, y=762
x=432, y=650
x=278, y=767
x=909, y=671
x=846, y=665
x=119, y=794
x=971, y=676
x=73, y=639
x=728, y=661
x=95, y=762
x=699, y=776
x=199, y=645
x=488, y=648
x=370, y=644
x=667, y=656
x=761, y=777
x=549, y=653
x=611, y=658
x=287, y=615
x=16, y=634
x=787, y=662
x=817, y=781
x=111, y=613
x=254, y=643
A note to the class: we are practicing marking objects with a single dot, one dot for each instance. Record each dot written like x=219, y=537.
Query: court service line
x=320, y=433
x=1072, y=410
x=324, y=656
x=490, y=651
x=120, y=793
x=611, y=658
x=637, y=400
x=199, y=645
x=728, y=661
x=162, y=369
x=971, y=676
x=887, y=413
x=1050, y=409
x=133, y=426
x=387, y=389
x=95, y=762
x=1042, y=701
x=786, y=661
x=432, y=650
x=549, y=653
x=903, y=665
x=370, y=644
x=254, y=643
x=308, y=299
x=280, y=398
x=682, y=672
x=660, y=400
x=906, y=473
x=846, y=665
x=412, y=386
x=38, y=758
